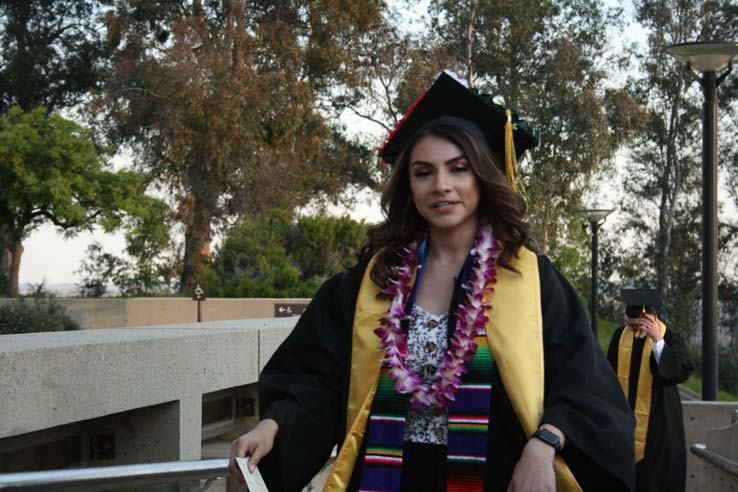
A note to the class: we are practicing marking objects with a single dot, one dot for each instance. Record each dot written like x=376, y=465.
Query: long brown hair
x=503, y=207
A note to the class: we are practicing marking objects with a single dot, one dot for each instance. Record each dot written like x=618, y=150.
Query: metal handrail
x=91, y=479
x=727, y=465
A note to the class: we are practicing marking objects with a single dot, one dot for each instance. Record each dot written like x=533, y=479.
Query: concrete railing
x=719, y=456
x=121, y=396
x=700, y=419
x=117, y=313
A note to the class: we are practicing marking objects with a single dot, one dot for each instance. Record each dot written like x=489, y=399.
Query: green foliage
x=605, y=330
x=252, y=261
x=51, y=55
x=97, y=269
x=51, y=171
x=728, y=370
x=51, y=52
x=573, y=254
x=325, y=245
x=727, y=373
x=37, y=314
x=695, y=384
x=272, y=256
x=153, y=262
x=728, y=309
x=150, y=265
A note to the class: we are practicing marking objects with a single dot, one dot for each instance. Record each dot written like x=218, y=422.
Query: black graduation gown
x=664, y=465
x=304, y=389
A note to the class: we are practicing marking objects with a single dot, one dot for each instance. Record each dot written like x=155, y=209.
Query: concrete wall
x=723, y=442
x=144, y=387
x=115, y=313
x=699, y=418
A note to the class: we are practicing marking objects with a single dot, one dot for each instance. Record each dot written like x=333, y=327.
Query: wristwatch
x=549, y=438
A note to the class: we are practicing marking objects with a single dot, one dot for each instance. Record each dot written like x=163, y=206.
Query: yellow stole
x=514, y=335
x=642, y=408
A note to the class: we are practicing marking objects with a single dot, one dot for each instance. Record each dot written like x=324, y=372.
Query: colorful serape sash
x=468, y=421
x=385, y=431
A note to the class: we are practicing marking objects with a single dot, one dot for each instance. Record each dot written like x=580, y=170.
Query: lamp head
x=705, y=56
x=594, y=214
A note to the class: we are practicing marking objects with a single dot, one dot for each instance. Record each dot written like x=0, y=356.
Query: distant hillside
x=61, y=289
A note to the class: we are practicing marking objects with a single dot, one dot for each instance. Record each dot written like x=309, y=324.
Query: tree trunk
x=14, y=251
x=544, y=234
x=5, y=259
x=666, y=224
x=670, y=192
x=197, y=242
x=470, y=43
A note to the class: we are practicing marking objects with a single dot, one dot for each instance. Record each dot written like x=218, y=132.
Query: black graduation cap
x=449, y=97
x=640, y=301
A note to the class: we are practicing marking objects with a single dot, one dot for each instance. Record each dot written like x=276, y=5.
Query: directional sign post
x=288, y=310
x=199, y=295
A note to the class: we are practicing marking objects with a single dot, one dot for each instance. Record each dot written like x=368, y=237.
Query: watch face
x=548, y=437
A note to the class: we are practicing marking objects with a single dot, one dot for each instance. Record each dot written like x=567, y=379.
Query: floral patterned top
x=426, y=344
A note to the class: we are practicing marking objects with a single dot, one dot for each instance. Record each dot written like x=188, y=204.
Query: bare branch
x=362, y=115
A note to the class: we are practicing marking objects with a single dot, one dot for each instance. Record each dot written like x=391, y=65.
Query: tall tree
x=52, y=52
x=51, y=171
x=728, y=252
x=662, y=179
x=221, y=99
x=151, y=262
x=548, y=59
x=50, y=56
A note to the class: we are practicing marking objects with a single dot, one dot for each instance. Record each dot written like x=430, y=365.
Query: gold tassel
x=510, y=161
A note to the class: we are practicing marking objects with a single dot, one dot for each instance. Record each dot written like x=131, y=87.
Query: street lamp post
x=709, y=58
x=595, y=217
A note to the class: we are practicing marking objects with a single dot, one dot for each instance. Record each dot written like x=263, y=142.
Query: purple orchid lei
x=471, y=319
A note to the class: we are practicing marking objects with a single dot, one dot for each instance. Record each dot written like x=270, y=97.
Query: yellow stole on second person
x=514, y=335
x=642, y=408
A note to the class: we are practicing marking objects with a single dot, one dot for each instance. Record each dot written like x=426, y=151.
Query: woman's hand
x=534, y=472
x=256, y=444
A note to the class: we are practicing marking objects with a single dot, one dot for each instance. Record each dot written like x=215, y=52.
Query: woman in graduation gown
x=506, y=389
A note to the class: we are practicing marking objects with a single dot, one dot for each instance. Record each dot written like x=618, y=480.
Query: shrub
x=728, y=370
x=39, y=313
x=275, y=256
x=727, y=367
